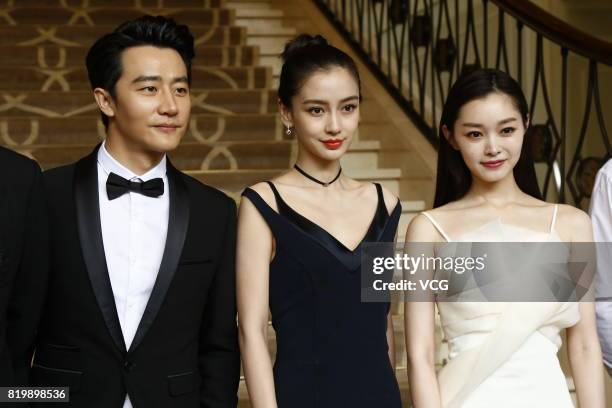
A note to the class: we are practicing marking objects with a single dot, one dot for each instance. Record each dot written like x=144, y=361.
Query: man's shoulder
x=606, y=170
x=59, y=178
x=12, y=162
x=59, y=173
x=199, y=190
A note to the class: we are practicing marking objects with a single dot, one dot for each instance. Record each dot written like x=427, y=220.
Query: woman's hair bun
x=301, y=42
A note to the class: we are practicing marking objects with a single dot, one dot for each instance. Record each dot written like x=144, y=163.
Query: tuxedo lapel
x=90, y=235
x=178, y=222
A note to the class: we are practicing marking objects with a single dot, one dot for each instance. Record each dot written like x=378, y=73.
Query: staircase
x=235, y=139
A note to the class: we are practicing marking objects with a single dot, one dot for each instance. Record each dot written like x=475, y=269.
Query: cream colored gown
x=504, y=354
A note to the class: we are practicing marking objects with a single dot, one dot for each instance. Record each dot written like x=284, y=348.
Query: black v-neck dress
x=331, y=348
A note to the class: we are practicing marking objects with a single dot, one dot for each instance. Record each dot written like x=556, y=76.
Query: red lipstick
x=333, y=144
x=493, y=164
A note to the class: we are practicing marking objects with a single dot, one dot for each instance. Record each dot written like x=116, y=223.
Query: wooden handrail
x=558, y=30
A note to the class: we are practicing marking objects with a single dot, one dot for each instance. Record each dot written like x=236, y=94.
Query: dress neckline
x=552, y=232
x=312, y=228
x=350, y=258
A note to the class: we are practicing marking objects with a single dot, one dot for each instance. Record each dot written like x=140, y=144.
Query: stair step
x=270, y=45
x=257, y=12
x=79, y=103
x=244, y=156
x=112, y=15
x=30, y=37
x=233, y=182
x=258, y=28
x=266, y=9
x=124, y=3
x=274, y=62
x=64, y=104
x=54, y=58
x=193, y=155
x=204, y=128
x=74, y=78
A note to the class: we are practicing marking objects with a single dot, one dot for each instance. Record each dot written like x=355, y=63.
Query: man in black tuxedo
x=141, y=306
x=23, y=263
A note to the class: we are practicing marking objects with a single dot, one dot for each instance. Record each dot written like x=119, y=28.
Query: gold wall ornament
x=221, y=75
x=53, y=77
x=209, y=33
x=198, y=100
x=41, y=57
x=197, y=134
x=8, y=140
x=5, y=13
x=16, y=102
x=219, y=151
x=48, y=35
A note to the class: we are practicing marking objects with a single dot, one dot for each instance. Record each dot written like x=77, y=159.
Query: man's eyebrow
x=157, y=78
x=180, y=79
x=147, y=78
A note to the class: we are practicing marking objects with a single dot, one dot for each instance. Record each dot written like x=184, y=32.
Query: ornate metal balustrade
x=418, y=48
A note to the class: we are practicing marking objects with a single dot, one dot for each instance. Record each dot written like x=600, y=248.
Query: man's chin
x=165, y=144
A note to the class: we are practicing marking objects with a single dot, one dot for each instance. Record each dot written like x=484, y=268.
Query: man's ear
x=449, y=137
x=105, y=102
x=285, y=114
x=527, y=122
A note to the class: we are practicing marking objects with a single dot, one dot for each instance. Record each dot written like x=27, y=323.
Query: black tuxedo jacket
x=185, y=351
x=23, y=263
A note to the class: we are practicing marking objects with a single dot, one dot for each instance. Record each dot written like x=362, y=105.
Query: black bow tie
x=116, y=186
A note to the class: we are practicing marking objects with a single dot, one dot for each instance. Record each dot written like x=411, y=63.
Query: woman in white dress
x=500, y=354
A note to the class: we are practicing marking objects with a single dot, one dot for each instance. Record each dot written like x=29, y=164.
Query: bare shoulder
x=265, y=192
x=573, y=217
x=574, y=224
x=391, y=199
x=421, y=229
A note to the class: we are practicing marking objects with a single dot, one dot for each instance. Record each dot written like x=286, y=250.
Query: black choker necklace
x=308, y=176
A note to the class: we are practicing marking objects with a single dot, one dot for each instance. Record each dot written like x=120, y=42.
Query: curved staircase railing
x=417, y=48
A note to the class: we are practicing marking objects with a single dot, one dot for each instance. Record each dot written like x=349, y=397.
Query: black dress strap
x=264, y=209
x=381, y=210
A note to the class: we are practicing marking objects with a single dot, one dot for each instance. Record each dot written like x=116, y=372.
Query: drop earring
x=289, y=131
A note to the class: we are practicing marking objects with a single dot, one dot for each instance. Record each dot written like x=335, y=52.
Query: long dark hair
x=454, y=178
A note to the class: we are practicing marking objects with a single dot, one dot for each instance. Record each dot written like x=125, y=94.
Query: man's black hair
x=104, y=57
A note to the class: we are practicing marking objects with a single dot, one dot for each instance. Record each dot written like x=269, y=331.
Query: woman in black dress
x=298, y=254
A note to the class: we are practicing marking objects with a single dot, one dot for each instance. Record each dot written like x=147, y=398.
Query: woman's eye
x=350, y=108
x=315, y=111
x=508, y=130
x=474, y=134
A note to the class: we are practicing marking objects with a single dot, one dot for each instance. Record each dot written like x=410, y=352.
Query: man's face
x=152, y=105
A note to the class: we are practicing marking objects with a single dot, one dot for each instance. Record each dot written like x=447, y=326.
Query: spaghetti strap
x=554, y=218
x=379, y=191
x=437, y=226
x=381, y=207
x=277, y=195
x=264, y=208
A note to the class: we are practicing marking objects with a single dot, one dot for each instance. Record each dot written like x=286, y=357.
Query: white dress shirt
x=601, y=216
x=134, y=229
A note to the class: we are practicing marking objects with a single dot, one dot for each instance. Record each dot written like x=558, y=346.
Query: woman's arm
x=391, y=339
x=253, y=252
x=585, y=359
x=419, y=319
x=582, y=341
